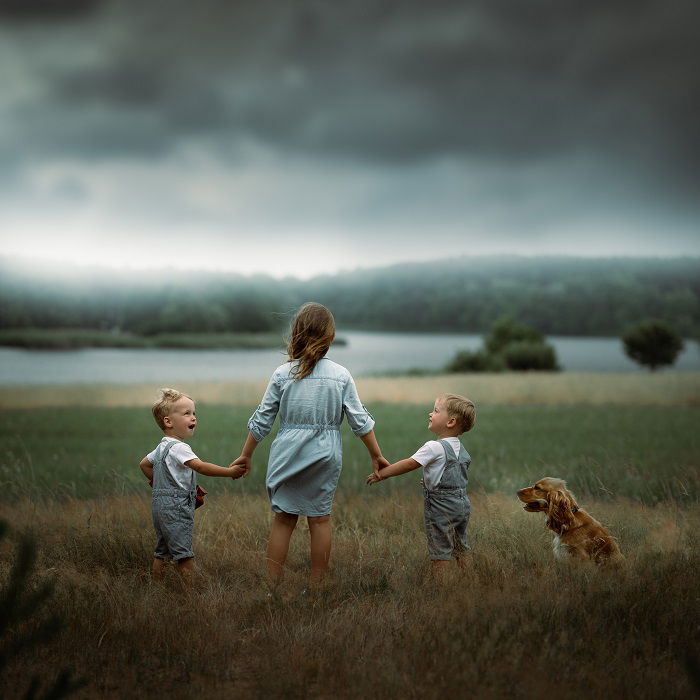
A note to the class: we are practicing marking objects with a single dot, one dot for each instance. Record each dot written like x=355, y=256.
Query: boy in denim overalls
x=445, y=463
x=171, y=468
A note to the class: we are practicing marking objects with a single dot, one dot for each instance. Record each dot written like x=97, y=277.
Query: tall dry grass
x=586, y=388
x=515, y=625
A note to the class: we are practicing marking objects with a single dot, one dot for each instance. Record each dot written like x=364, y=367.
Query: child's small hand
x=238, y=471
x=379, y=463
x=243, y=462
x=373, y=478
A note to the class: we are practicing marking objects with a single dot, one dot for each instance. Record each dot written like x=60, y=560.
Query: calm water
x=366, y=353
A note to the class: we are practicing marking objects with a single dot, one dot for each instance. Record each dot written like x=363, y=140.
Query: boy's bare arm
x=146, y=468
x=209, y=469
x=401, y=467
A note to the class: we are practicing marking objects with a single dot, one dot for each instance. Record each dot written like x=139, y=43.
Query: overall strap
x=455, y=474
x=162, y=478
x=449, y=452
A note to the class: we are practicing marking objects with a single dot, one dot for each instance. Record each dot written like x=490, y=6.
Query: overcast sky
x=310, y=136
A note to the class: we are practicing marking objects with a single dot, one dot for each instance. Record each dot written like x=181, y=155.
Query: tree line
x=555, y=295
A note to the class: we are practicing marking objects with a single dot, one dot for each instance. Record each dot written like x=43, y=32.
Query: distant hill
x=557, y=295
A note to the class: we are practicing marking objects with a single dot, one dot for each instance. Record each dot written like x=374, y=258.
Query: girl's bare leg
x=320, y=531
x=278, y=546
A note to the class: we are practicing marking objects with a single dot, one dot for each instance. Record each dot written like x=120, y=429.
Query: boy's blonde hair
x=461, y=408
x=161, y=408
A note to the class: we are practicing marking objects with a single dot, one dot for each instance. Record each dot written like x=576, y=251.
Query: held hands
x=377, y=464
x=241, y=467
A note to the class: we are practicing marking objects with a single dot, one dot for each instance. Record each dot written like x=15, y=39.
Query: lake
x=366, y=353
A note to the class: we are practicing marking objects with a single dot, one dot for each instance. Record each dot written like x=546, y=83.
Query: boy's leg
x=158, y=568
x=320, y=532
x=440, y=569
x=186, y=569
x=278, y=546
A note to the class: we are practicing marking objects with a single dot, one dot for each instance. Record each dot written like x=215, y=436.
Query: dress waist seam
x=309, y=426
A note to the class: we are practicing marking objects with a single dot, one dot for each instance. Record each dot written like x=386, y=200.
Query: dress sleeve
x=260, y=423
x=359, y=418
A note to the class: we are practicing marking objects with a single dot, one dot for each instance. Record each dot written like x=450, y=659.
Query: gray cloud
x=45, y=10
x=504, y=116
x=407, y=80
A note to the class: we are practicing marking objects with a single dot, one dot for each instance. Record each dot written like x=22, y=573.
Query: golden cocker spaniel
x=577, y=535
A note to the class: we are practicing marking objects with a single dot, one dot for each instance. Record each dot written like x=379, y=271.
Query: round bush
x=530, y=356
x=474, y=361
x=652, y=343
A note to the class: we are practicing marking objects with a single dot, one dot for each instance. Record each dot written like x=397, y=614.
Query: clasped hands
x=243, y=464
x=377, y=464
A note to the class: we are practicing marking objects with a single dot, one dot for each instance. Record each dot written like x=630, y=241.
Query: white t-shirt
x=432, y=458
x=179, y=453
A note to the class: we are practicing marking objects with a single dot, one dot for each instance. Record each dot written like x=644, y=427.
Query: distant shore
x=78, y=338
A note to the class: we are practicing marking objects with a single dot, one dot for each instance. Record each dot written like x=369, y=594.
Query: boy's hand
x=243, y=462
x=237, y=471
x=379, y=463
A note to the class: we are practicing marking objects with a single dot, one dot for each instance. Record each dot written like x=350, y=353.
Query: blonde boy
x=172, y=468
x=445, y=464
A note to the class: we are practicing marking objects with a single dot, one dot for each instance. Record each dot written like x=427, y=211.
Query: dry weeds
x=516, y=625
x=630, y=388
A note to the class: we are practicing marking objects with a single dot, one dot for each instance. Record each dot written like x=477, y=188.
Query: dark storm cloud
x=43, y=10
x=389, y=83
x=400, y=80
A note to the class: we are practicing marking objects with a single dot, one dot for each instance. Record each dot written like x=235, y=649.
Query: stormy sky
x=298, y=137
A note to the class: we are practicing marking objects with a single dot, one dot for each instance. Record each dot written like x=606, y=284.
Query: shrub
x=474, y=361
x=525, y=355
x=507, y=331
x=652, y=343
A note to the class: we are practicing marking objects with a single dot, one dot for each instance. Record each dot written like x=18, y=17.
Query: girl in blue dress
x=311, y=394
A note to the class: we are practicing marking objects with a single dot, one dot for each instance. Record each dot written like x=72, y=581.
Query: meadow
x=514, y=624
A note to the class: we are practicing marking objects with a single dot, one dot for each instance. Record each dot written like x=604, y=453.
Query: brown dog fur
x=578, y=536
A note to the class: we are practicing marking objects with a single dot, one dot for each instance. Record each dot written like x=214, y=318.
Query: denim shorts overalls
x=447, y=507
x=172, y=509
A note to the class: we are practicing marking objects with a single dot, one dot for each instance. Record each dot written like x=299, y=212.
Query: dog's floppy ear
x=560, y=509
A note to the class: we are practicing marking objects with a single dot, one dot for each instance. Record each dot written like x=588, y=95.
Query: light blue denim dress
x=306, y=456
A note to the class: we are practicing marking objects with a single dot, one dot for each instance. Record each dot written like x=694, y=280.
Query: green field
x=515, y=624
x=649, y=454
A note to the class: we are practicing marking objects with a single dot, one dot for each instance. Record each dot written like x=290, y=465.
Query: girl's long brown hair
x=313, y=330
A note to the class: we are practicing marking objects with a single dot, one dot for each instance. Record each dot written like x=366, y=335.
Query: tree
x=652, y=343
x=526, y=355
x=507, y=330
x=509, y=345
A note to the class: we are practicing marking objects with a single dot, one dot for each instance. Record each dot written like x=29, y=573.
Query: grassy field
x=512, y=388
x=602, y=451
x=514, y=625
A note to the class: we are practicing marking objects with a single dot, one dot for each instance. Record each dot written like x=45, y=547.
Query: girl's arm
x=402, y=467
x=375, y=453
x=146, y=468
x=246, y=454
x=209, y=469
